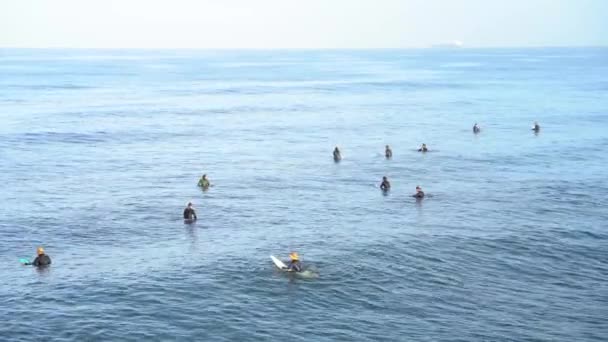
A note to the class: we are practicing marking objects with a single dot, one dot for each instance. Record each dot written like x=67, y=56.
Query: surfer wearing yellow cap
x=294, y=264
x=42, y=259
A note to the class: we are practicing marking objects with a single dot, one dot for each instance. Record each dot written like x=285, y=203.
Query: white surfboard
x=278, y=263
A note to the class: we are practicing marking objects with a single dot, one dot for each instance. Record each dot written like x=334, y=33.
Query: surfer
x=189, y=213
x=385, y=185
x=388, y=152
x=337, y=155
x=423, y=148
x=294, y=264
x=536, y=127
x=204, y=182
x=41, y=260
x=476, y=128
x=419, y=193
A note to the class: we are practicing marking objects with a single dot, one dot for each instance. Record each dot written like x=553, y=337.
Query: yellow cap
x=40, y=250
x=294, y=256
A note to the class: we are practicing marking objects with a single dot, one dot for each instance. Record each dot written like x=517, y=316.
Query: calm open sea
x=100, y=150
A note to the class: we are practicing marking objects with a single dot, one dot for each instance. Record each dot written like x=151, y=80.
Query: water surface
x=100, y=150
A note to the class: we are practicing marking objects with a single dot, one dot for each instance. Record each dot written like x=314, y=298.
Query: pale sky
x=301, y=23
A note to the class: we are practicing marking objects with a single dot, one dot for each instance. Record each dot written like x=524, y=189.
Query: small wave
x=61, y=137
x=461, y=65
x=49, y=86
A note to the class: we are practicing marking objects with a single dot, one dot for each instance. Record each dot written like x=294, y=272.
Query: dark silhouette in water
x=189, y=213
x=337, y=155
x=204, y=183
x=536, y=127
x=41, y=260
x=385, y=185
x=419, y=193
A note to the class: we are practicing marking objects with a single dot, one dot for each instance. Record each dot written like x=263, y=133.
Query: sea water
x=100, y=150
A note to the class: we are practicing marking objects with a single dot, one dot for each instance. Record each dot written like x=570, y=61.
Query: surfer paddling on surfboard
x=294, y=264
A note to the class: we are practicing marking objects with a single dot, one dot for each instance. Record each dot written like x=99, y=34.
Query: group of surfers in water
x=535, y=128
x=189, y=212
x=43, y=260
x=388, y=153
x=294, y=259
x=386, y=186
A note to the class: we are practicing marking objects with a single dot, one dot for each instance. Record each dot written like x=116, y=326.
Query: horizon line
x=432, y=47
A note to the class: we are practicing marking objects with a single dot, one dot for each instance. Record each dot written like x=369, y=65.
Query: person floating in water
x=536, y=127
x=476, y=128
x=294, y=263
x=189, y=213
x=423, y=148
x=419, y=193
x=388, y=152
x=41, y=260
x=385, y=185
x=204, y=182
x=337, y=155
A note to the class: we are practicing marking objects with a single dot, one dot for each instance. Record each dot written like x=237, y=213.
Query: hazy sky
x=301, y=23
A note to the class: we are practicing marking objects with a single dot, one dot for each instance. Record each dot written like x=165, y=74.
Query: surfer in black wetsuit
x=42, y=259
x=388, y=153
x=189, y=213
x=385, y=185
x=536, y=127
x=419, y=192
x=476, y=128
x=294, y=264
x=423, y=148
x=337, y=155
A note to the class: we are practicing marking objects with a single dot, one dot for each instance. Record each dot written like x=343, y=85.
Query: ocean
x=100, y=150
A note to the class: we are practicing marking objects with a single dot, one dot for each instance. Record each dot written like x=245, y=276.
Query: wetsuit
x=295, y=266
x=388, y=154
x=423, y=149
x=203, y=183
x=385, y=185
x=189, y=214
x=476, y=129
x=536, y=128
x=42, y=260
x=337, y=155
x=419, y=194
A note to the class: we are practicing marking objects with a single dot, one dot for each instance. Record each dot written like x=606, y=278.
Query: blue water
x=100, y=150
